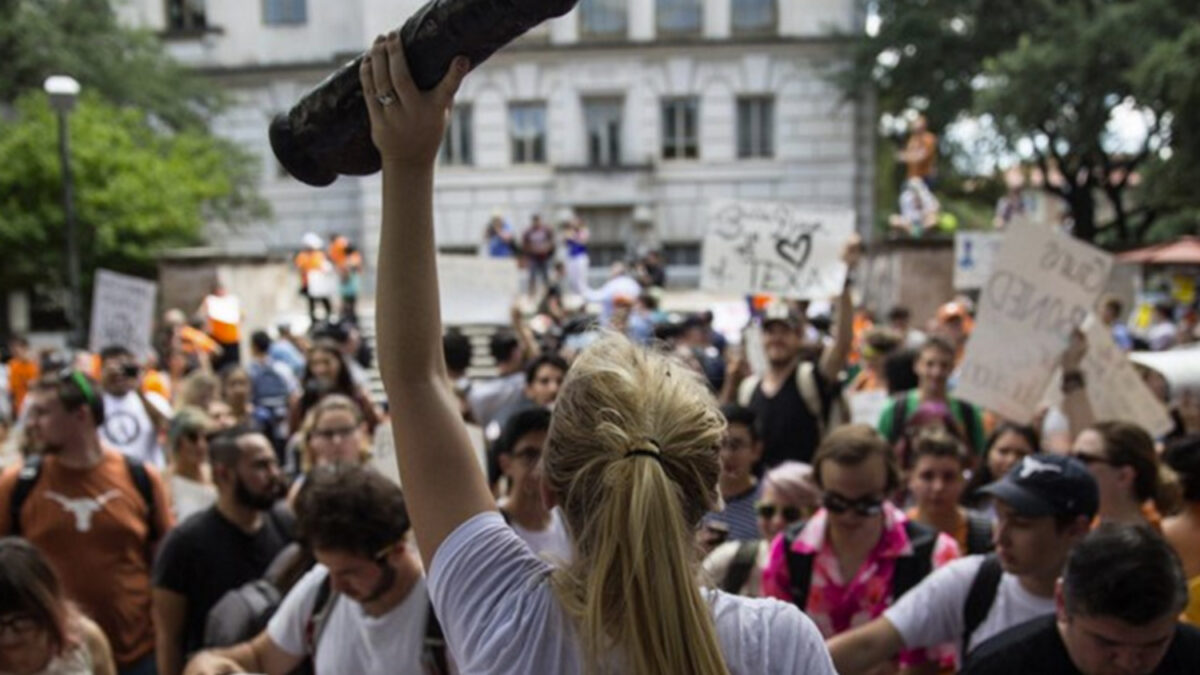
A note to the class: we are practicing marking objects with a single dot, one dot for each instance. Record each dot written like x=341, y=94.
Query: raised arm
x=833, y=360
x=442, y=482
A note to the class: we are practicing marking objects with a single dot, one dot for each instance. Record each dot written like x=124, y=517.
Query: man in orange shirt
x=312, y=259
x=22, y=371
x=222, y=313
x=93, y=513
x=920, y=152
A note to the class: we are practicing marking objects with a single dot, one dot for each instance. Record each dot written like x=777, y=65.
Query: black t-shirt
x=1035, y=647
x=207, y=556
x=789, y=428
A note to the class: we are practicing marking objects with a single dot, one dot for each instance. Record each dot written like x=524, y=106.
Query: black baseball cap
x=1048, y=485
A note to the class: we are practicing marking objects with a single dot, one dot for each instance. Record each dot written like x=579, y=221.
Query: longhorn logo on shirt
x=83, y=508
x=1031, y=466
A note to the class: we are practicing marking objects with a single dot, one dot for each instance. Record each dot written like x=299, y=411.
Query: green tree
x=148, y=172
x=1049, y=75
x=138, y=190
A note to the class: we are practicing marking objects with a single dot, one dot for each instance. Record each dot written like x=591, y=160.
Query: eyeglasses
x=767, y=511
x=529, y=456
x=1089, y=459
x=863, y=506
x=19, y=624
x=334, y=435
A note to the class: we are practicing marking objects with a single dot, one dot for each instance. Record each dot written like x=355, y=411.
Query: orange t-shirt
x=926, y=141
x=224, y=313
x=91, y=524
x=21, y=374
x=337, y=252
x=195, y=341
x=309, y=261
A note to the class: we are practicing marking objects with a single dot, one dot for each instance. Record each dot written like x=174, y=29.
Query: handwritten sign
x=122, y=312
x=974, y=257
x=477, y=290
x=777, y=249
x=1042, y=287
x=866, y=407
x=1114, y=387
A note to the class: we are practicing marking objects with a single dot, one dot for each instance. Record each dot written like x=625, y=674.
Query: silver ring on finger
x=386, y=98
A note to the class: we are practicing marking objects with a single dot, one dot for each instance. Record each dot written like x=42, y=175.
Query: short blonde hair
x=329, y=403
x=633, y=517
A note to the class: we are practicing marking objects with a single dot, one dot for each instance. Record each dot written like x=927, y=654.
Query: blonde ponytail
x=632, y=457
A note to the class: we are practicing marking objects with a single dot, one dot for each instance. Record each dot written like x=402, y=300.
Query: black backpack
x=909, y=572
x=979, y=534
x=31, y=471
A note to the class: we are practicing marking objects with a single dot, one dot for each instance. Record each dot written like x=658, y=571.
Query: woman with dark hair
x=40, y=632
x=1183, y=530
x=326, y=372
x=1006, y=446
x=1134, y=487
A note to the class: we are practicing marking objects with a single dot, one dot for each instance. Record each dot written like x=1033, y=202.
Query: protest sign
x=1042, y=287
x=1114, y=388
x=777, y=249
x=974, y=257
x=477, y=290
x=122, y=312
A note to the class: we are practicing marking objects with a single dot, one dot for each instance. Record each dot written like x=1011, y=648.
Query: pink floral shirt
x=835, y=604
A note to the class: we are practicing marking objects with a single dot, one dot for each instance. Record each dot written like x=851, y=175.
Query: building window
x=682, y=254
x=186, y=15
x=753, y=16
x=603, y=120
x=756, y=126
x=527, y=129
x=456, y=146
x=603, y=18
x=284, y=12
x=679, y=137
x=680, y=17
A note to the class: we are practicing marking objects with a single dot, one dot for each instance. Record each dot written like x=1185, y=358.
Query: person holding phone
x=133, y=420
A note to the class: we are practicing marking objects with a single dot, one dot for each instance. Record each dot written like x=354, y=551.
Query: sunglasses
x=1089, y=459
x=863, y=506
x=767, y=511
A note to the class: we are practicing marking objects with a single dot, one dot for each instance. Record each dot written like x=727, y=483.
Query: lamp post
x=63, y=91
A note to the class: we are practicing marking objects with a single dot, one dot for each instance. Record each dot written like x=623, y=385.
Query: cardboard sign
x=477, y=290
x=1114, y=388
x=777, y=249
x=1043, y=286
x=974, y=258
x=122, y=312
x=866, y=407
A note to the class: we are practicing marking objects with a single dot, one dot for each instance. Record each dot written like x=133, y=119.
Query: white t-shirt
x=552, y=542
x=500, y=615
x=351, y=641
x=932, y=612
x=189, y=496
x=128, y=428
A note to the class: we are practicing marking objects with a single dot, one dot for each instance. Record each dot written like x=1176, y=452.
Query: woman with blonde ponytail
x=631, y=458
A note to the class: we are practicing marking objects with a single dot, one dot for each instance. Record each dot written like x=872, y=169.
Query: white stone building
x=628, y=113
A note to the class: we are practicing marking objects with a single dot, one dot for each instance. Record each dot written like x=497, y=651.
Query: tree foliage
x=148, y=172
x=1049, y=75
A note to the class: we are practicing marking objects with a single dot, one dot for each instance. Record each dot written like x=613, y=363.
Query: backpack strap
x=981, y=597
x=141, y=481
x=31, y=471
x=434, y=646
x=899, y=417
x=979, y=534
x=806, y=383
x=970, y=422
x=799, y=566
x=741, y=567
x=911, y=569
x=317, y=620
x=745, y=390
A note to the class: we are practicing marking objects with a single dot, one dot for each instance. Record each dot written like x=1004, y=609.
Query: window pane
x=679, y=128
x=602, y=118
x=753, y=15
x=186, y=15
x=680, y=17
x=284, y=12
x=603, y=18
x=527, y=129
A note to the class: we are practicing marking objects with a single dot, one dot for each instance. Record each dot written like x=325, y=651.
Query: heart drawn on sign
x=795, y=251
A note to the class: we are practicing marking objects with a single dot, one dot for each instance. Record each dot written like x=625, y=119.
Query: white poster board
x=974, y=258
x=774, y=248
x=477, y=290
x=122, y=312
x=1042, y=287
x=1114, y=388
x=866, y=407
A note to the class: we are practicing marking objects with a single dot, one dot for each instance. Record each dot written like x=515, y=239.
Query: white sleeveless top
x=74, y=661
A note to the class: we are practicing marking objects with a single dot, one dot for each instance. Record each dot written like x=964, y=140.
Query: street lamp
x=63, y=91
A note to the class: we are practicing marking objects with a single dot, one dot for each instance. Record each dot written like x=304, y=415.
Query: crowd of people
x=626, y=494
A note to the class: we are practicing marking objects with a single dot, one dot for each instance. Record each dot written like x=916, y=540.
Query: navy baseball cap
x=1048, y=485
